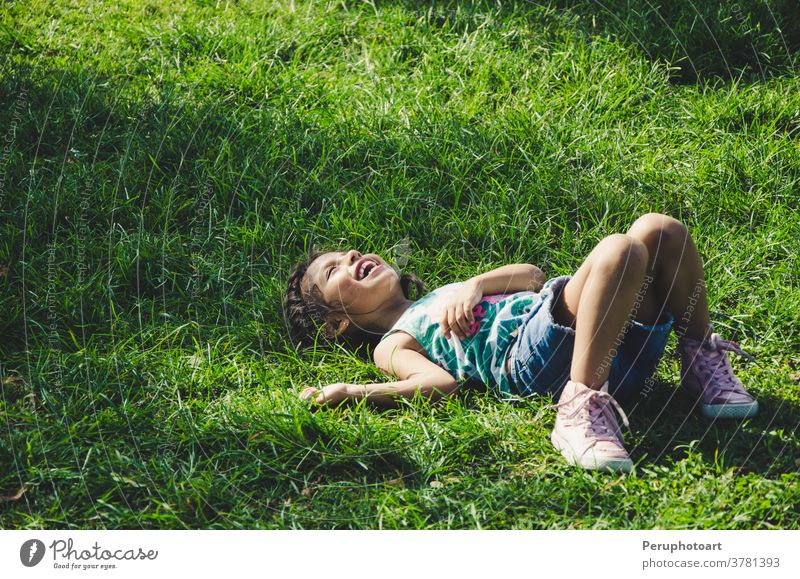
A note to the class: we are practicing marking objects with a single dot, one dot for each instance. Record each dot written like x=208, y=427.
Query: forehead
x=316, y=271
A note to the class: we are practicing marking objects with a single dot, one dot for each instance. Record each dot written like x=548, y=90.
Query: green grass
x=163, y=168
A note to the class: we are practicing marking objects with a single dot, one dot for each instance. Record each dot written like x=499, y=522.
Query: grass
x=163, y=168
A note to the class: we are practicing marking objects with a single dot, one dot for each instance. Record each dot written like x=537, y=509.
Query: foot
x=707, y=375
x=586, y=430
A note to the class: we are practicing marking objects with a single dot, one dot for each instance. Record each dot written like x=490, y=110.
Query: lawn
x=163, y=166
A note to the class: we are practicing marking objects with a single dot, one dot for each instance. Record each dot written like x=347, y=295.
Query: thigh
x=565, y=310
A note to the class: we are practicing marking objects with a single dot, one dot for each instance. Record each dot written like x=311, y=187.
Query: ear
x=336, y=326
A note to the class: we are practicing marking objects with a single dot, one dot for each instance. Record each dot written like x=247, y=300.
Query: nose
x=353, y=255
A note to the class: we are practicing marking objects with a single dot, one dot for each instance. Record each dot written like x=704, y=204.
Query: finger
x=455, y=327
x=463, y=327
x=468, y=317
x=448, y=323
x=454, y=320
x=455, y=323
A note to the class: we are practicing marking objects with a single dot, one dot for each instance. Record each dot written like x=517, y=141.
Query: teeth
x=363, y=269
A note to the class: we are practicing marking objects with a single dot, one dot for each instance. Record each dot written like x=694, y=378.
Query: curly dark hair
x=306, y=314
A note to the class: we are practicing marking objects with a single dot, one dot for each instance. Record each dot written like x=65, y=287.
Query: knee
x=622, y=252
x=657, y=230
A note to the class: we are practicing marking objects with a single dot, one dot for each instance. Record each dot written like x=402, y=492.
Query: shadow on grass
x=701, y=41
x=149, y=199
x=667, y=428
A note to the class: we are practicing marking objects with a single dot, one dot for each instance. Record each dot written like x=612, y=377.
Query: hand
x=331, y=395
x=458, y=315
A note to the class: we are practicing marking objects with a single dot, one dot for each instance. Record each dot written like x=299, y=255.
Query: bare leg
x=611, y=276
x=677, y=270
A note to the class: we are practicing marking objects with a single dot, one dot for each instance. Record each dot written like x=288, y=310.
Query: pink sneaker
x=586, y=431
x=707, y=375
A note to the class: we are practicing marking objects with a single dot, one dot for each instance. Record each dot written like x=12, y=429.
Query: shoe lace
x=599, y=415
x=715, y=363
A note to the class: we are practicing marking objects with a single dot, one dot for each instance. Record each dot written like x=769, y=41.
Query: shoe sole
x=589, y=462
x=729, y=410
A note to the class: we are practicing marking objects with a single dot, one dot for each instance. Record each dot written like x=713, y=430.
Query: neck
x=398, y=310
x=388, y=316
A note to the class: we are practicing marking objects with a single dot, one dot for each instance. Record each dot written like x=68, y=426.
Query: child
x=587, y=339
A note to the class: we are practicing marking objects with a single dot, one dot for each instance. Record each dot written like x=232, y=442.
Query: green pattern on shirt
x=481, y=355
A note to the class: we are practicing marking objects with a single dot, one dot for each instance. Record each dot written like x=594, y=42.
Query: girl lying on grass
x=588, y=339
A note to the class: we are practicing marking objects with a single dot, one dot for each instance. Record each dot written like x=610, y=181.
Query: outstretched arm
x=417, y=373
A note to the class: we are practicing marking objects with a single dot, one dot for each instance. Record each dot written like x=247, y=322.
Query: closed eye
x=330, y=269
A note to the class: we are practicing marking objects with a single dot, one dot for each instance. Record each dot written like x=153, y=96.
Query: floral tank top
x=482, y=354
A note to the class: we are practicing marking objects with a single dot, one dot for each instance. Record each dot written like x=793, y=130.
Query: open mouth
x=366, y=268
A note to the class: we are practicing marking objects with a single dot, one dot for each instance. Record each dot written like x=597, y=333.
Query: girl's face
x=359, y=284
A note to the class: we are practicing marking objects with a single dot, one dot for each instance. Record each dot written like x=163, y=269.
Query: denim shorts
x=541, y=356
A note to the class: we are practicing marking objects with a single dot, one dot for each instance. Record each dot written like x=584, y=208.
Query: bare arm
x=511, y=279
x=508, y=279
x=416, y=372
